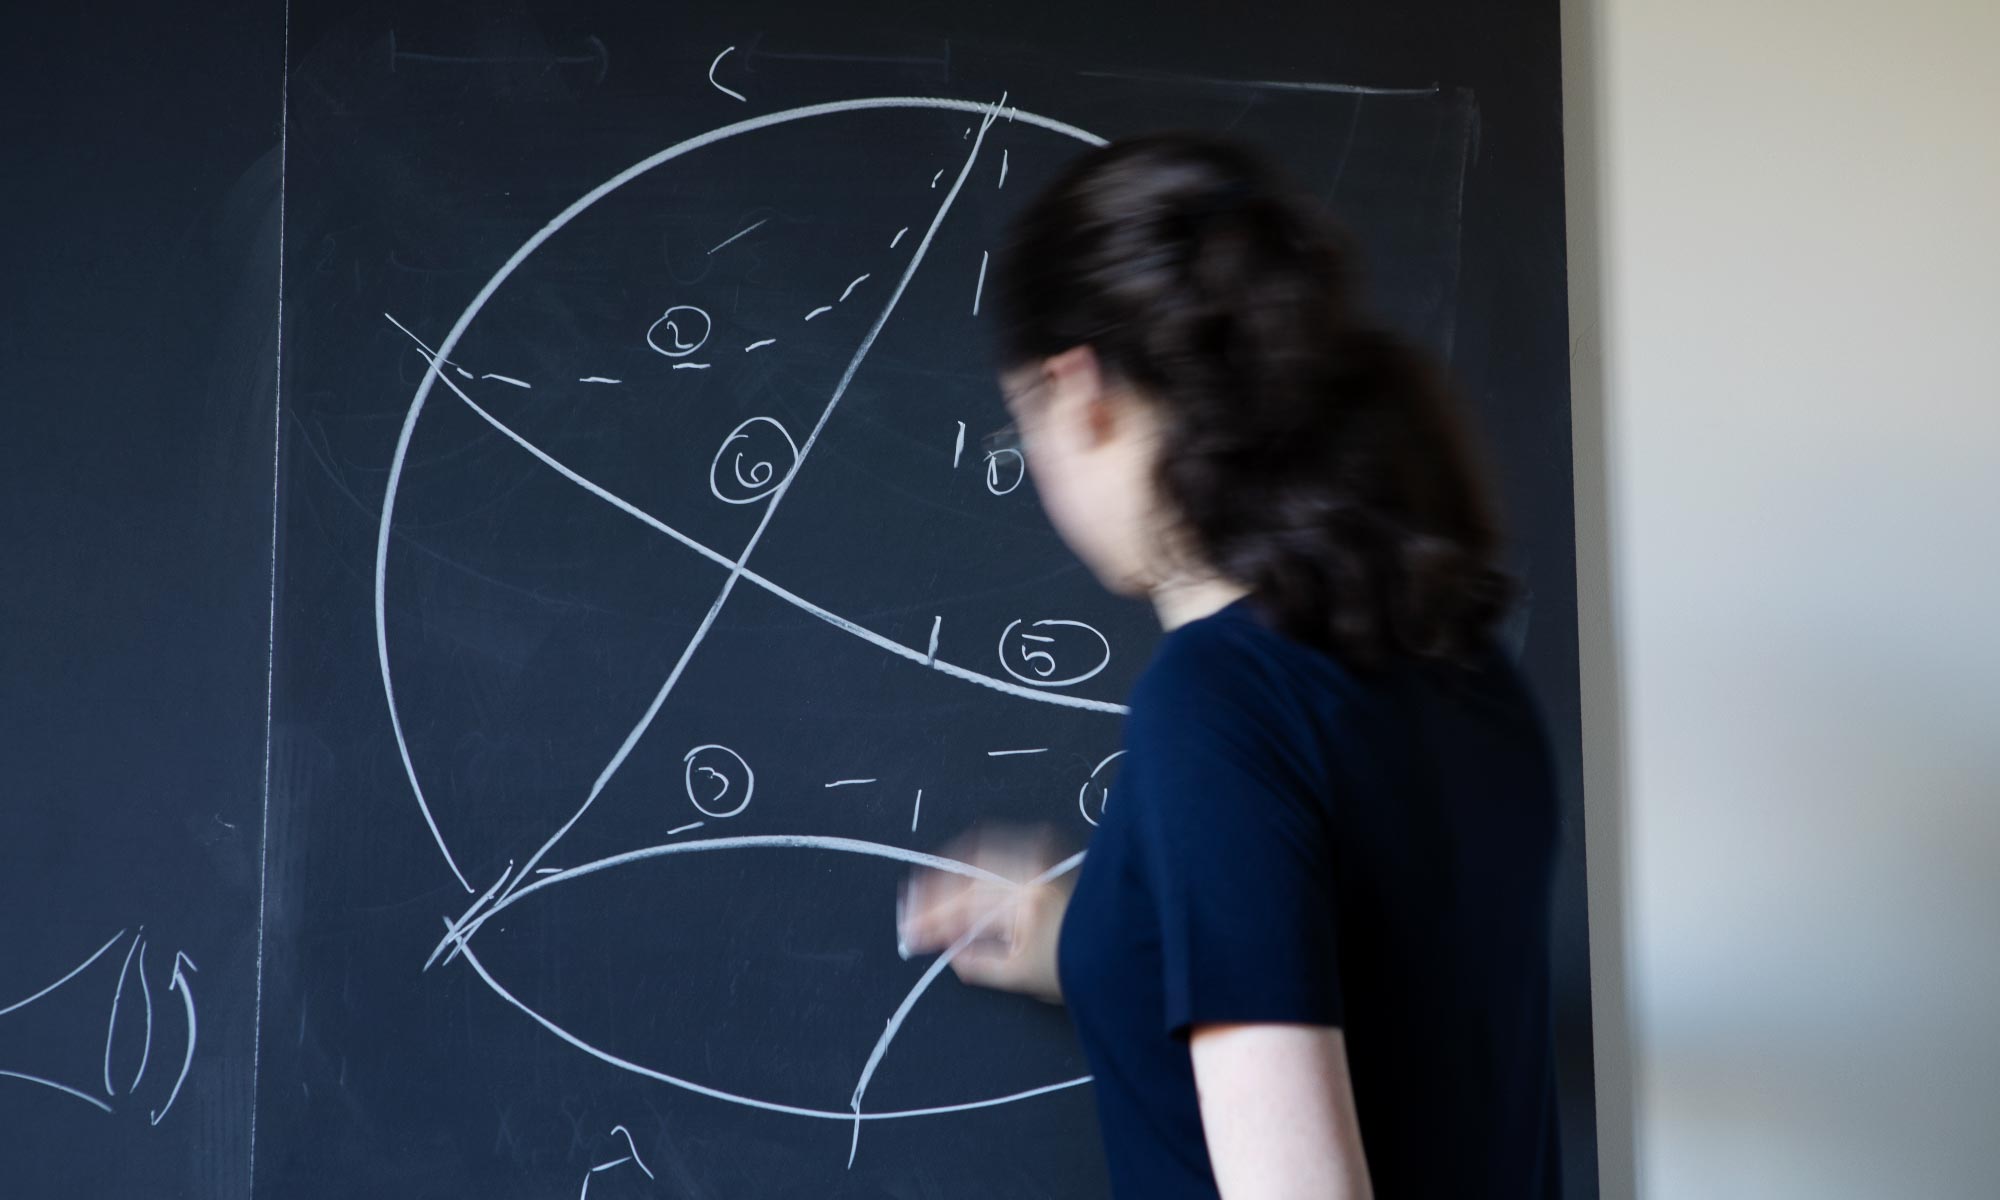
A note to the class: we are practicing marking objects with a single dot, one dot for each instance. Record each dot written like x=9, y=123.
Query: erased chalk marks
x=1278, y=85
x=591, y=52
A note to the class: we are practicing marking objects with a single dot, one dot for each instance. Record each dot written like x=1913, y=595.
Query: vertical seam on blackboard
x=271, y=622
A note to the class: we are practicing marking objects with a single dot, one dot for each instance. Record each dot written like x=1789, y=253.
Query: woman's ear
x=1079, y=393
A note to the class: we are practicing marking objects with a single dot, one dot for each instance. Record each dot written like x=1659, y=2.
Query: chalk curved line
x=461, y=932
x=452, y=927
x=520, y=255
x=86, y=1097
x=742, y=558
x=111, y=1025
x=145, y=1051
x=633, y=1147
x=774, y=841
x=606, y=1056
x=718, y=87
x=739, y=233
x=1083, y=791
x=748, y=574
x=74, y=972
x=923, y=984
x=187, y=999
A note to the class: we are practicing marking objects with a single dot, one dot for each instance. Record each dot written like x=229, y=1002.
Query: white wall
x=1785, y=241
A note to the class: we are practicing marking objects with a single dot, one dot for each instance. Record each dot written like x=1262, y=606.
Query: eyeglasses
x=1006, y=439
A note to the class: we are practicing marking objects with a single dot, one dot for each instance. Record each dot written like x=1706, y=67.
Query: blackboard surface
x=137, y=359
x=645, y=599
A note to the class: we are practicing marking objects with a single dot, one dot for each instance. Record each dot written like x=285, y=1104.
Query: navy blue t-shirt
x=1289, y=841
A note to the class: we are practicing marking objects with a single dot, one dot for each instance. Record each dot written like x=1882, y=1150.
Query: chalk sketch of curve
x=761, y=479
x=132, y=973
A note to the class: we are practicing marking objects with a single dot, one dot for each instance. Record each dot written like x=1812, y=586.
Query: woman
x=1306, y=952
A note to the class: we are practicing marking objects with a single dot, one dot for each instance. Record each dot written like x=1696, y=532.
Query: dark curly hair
x=1311, y=454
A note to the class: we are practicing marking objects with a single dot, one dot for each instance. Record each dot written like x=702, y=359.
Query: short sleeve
x=1234, y=841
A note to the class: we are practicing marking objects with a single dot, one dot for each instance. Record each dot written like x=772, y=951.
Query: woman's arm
x=1009, y=930
x=1277, y=1109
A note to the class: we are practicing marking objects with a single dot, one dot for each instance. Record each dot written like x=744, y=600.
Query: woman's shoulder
x=1233, y=664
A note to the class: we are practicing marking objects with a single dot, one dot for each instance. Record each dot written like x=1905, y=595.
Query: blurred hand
x=1005, y=929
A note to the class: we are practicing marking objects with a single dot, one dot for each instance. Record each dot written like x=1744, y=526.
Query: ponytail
x=1309, y=454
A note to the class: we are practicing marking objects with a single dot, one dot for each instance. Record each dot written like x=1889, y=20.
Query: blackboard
x=509, y=573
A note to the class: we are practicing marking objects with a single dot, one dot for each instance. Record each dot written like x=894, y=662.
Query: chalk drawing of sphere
x=749, y=968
